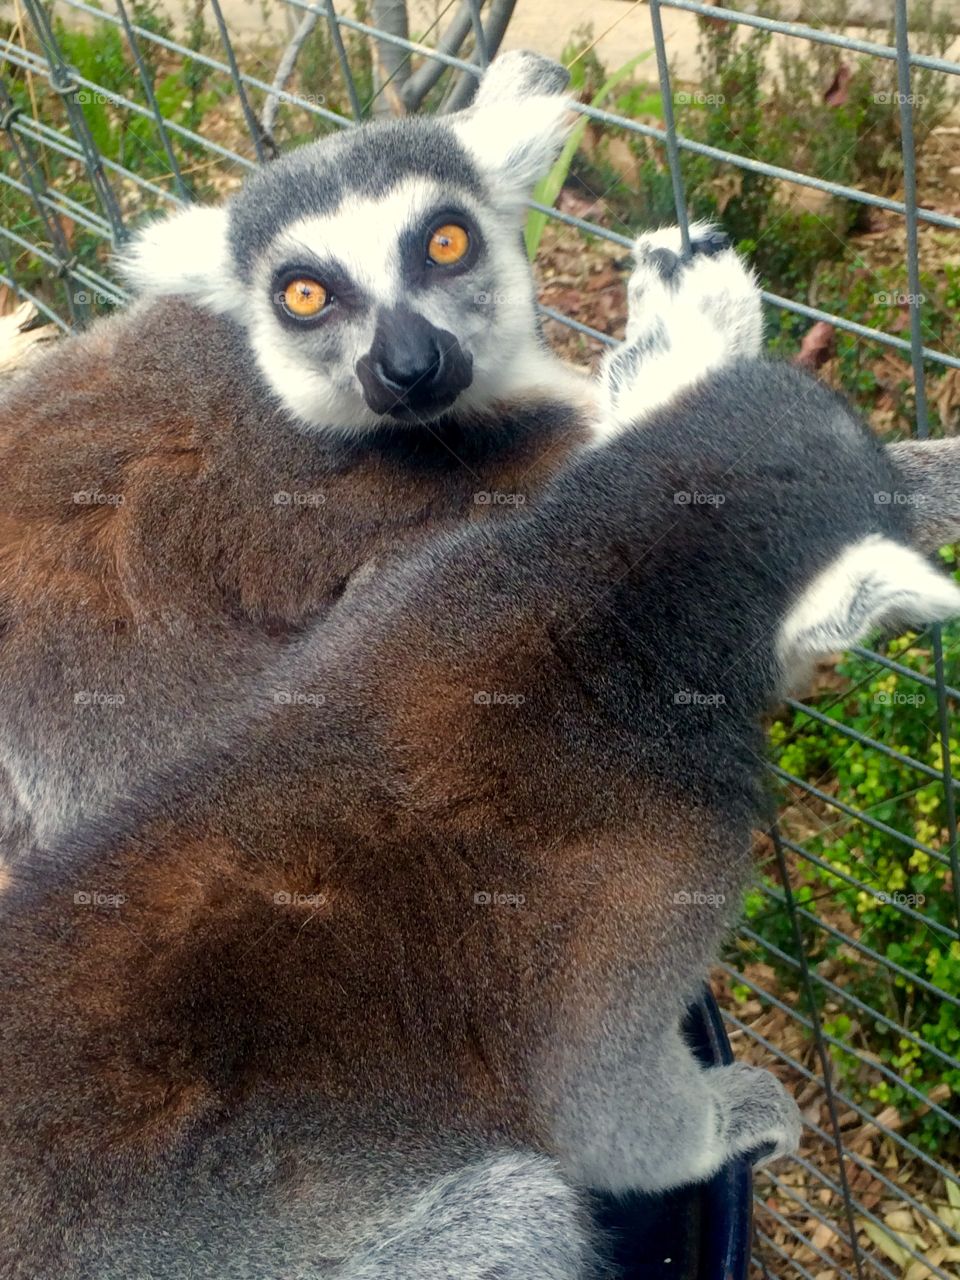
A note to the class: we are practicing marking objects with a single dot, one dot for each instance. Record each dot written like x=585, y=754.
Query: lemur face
x=380, y=273
x=371, y=301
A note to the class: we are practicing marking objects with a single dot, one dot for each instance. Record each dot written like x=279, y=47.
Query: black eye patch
x=417, y=269
x=343, y=295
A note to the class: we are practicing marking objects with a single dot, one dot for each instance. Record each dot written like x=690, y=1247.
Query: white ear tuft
x=187, y=253
x=520, y=74
x=515, y=142
x=875, y=583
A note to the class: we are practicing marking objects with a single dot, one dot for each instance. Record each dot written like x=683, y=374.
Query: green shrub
x=782, y=116
x=881, y=381
x=901, y=714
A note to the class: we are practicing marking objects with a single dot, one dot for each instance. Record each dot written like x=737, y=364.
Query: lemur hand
x=687, y=315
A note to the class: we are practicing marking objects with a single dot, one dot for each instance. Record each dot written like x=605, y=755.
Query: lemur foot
x=688, y=313
x=759, y=1120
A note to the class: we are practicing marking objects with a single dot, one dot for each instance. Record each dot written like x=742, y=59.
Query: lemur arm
x=688, y=317
x=931, y=489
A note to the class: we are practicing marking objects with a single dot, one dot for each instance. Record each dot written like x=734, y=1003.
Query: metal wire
x=823, y=1052
x=782, y=1056
x=869, y=953
x=839, y=994
x=64, y=189
x=789, y=1262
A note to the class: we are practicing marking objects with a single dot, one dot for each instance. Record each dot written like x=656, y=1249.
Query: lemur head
x=380, y=273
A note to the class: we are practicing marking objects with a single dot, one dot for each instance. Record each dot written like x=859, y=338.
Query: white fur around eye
x=362, y=235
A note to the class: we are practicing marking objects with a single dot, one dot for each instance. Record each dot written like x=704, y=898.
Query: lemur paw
x=710, y=243
x=760, y=1120
x=711, y=282
x=688, y=314
x=659, y=256
x=658, y=260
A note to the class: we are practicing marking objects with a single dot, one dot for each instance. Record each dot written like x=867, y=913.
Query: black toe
x=666, y=262
x=711, y=244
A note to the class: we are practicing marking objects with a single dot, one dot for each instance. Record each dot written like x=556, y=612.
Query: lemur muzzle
x=412, y=367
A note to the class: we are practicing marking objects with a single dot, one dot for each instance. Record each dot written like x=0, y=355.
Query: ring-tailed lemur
x=348, y=361
x=342, y=360
x=384, y=993
x=378, y=274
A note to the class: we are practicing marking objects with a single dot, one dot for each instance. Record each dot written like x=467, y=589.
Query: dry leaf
x=817, y=347
x=836, y=95
x=886, y=1244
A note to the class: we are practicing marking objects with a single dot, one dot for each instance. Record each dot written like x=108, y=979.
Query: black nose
x=412, y=367
x=403, y=368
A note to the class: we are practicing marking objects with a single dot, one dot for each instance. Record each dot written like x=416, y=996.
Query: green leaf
x=548, y=188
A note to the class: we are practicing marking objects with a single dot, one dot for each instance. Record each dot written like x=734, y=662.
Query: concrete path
x=623, y=26
x=624, y=30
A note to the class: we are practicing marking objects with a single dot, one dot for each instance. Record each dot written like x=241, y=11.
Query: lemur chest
x=286, y=542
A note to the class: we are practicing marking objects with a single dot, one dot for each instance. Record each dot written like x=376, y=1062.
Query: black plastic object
x=696, y=1233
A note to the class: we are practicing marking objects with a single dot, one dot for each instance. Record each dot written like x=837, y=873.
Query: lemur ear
x=186, y=253
x=875, y=583
x=518, y=122
x=520, y=74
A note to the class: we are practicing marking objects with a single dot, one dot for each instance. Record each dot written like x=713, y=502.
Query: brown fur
x=205, y=1027
x=219, y=993
x=197, y=481
x=181, y=583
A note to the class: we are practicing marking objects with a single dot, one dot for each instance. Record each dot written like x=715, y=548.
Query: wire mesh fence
x=847, y=969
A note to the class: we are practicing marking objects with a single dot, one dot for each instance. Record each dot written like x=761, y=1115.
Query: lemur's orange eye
x=448, y=244
x=304, y=298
